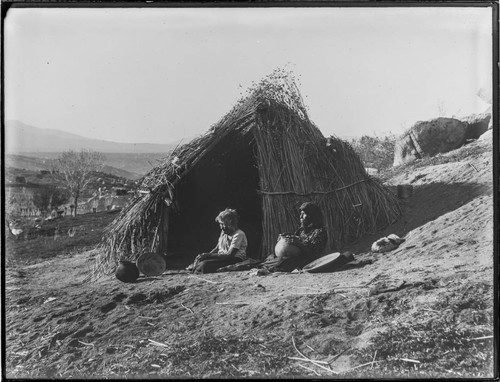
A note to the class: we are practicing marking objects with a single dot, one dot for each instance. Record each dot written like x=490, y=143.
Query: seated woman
x=231, y=247
x=311, y=238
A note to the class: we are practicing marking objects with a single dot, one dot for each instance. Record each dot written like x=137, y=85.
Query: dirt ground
x=423, y=310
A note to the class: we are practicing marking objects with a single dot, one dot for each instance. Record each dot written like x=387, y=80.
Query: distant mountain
x=135, y=164
x=23, y=138
x=38, y=163
x=120, y=172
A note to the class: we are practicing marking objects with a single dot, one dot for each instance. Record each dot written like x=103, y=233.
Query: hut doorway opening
x=228, y=177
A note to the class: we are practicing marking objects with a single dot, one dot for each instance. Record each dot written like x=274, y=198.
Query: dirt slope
x=424, y=309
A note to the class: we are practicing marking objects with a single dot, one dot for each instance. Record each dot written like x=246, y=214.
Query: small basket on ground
x=151, y=264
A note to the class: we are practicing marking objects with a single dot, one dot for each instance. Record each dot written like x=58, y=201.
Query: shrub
x=375, y=152
x=49, y=197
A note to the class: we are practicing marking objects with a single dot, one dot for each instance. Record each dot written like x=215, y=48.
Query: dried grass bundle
x=295, y=165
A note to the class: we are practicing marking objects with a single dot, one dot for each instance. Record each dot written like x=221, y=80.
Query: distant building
x=104, y=202
x=118, y=191
x=20, y=179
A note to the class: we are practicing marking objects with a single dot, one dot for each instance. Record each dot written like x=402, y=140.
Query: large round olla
x=285, y=249
x=127, y=272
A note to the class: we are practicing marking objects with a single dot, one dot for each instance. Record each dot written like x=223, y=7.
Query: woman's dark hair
x=314, y=212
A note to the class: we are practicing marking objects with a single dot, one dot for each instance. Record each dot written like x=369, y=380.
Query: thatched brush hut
x=264, y=158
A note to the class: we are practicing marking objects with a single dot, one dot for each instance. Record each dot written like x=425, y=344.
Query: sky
x=160, y=75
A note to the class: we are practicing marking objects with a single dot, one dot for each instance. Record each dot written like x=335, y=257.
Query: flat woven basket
x=151, y=264
x=322, y=264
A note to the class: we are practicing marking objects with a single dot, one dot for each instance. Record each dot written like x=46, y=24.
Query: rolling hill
x=23, y=138
x=39, y=163
x=32, y=148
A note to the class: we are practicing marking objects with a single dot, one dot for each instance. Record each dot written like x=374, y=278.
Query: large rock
x=487, y=137
x=429, y=138
x=477, y=124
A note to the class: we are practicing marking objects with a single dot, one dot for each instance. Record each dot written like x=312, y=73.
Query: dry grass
x=54, y=239
x=452, y=338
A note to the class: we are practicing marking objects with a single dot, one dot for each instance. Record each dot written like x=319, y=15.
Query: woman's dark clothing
x=211, y=266
x=313, y=242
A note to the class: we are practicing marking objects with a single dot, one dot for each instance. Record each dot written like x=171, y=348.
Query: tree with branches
x=75, y=169
x=48, y=197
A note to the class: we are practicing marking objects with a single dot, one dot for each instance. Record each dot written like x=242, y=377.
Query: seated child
x=231, y=247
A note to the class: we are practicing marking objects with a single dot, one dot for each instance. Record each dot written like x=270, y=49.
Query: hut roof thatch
x=268, y=134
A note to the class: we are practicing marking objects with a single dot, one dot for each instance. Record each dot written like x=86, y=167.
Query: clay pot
x=285, y=249
x=127, y=272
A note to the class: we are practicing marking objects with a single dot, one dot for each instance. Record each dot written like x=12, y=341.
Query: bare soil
x=423, y=310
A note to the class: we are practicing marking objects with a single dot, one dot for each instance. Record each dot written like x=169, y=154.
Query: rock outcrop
x=477, y=124
x=488, y=136
x=440, y=135
x=429, y=138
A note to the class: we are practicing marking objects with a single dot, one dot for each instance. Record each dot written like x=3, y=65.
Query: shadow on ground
x=428, y=202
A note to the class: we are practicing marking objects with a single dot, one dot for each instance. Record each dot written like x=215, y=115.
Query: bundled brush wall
x=296, y=165
x=295, y=162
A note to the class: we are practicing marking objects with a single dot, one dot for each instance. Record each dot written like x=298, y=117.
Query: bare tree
x=75, y=169
x=47, y=197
